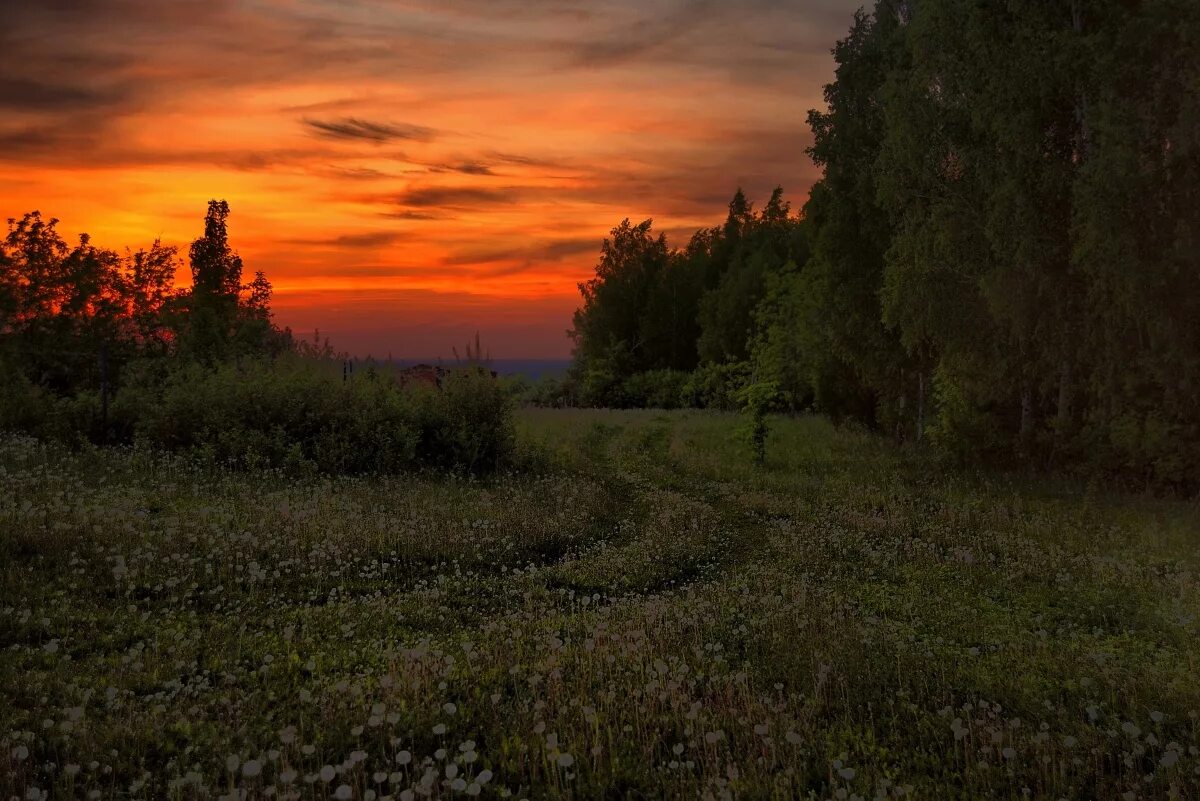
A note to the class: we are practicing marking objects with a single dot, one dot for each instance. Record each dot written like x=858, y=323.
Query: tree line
x=1001, y=257
x=101, y=346
x=73, y=316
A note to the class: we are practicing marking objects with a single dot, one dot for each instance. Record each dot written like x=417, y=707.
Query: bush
x=287, y=413
x=656, y=389
x=299, y=414
x=465, y=424
x=548, y=391
x=27, y=407
x=715, y=386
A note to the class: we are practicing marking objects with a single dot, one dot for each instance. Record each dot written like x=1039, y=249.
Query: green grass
x=653, y=617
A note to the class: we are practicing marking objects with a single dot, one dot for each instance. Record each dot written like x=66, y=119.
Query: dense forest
x=1001, y=257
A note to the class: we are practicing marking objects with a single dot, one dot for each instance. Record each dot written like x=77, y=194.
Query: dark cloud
x=643, y=35
x=457, y=197
x=551, y=250
x=352, y=128
x=470, y=168
x=24, y=94
x=364, y=240
x=356, y=173
x=408, y=214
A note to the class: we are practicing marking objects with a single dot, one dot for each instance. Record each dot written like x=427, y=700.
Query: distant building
x=427, y=374
x=433, y=375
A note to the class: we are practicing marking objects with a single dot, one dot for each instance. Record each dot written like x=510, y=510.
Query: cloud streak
x=351, y=128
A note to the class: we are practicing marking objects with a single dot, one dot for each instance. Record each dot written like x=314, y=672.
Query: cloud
x=643, y=35
x=411, y=215
x=352, y=128
x=546, y=251
x=363, y=239
x=469, y=168
x=24, y=94
x=457, y=197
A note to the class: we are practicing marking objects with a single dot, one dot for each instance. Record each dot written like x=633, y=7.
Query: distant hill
x=530, y=368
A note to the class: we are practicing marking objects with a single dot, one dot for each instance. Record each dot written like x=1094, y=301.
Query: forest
x=1002, y=257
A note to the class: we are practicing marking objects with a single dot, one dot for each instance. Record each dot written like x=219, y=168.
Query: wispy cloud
x=458, y=197
x=352, y=128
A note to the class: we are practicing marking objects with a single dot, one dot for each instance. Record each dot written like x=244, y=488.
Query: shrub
x=656, y=389
x=714, y=386
x=284, y=413
x=548, y=391
x=299, y=414
x=465, y=424
x=757, y=400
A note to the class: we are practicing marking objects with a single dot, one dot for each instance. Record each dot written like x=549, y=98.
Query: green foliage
x=756, y=401
x=656, y=389
x=549, y=391
x=610, y=332
x=715, y=386
x=1001, y=251
x=466, y=424
x=650, y=308
x=285, y=414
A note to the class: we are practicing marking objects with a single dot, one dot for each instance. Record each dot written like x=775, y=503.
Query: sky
x=407, y=172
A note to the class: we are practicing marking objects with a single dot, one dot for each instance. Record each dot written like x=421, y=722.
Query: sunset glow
x=408, y=171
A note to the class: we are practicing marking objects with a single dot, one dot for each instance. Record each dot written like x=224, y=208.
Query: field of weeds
x=647, y=615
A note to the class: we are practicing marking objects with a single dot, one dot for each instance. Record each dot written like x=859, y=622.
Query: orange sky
x=409, y=171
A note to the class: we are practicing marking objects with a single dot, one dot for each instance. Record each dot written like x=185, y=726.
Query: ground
x=648, y=614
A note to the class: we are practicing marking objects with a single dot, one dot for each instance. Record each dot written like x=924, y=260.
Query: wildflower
x=343, y=792
x=252, y=768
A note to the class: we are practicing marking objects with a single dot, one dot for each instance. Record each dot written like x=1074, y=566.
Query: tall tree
x=611, y=335
x=216, y=285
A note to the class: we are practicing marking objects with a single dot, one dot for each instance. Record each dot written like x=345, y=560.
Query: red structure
x=422, y=374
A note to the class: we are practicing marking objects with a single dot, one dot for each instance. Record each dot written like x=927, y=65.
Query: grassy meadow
x=645, y=613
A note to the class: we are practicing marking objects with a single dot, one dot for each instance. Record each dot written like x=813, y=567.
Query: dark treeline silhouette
x=1002, y=255
x=101, y=346
x=72, y=317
